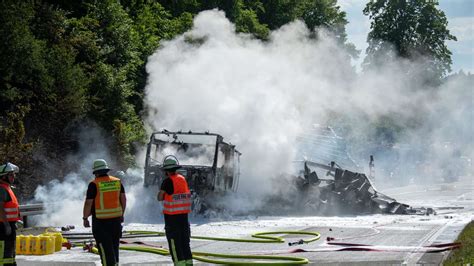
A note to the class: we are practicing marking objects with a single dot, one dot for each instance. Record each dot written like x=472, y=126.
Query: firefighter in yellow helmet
x=106, y=202
x=9, y=214
x=176, y=197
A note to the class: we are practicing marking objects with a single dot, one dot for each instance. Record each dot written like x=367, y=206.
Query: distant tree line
x=66, y=64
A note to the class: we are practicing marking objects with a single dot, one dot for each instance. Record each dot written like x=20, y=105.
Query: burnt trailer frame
x=352, y=191
x=219, y=177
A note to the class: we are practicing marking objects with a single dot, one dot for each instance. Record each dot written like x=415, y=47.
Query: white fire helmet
x=8, y=168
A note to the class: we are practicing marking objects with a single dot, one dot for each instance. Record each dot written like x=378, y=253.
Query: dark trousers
x=8, y=244
x=178, y=234
x=107, y=233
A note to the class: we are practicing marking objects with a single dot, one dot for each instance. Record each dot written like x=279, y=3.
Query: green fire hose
x=245, y=259
x=261, y=237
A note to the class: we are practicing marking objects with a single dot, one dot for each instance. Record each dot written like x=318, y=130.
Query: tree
x=153, y=23
x=38, y=71
x=415, y=29
x=315, y=14
x=14, y=148
x=247, y=22
x=114, y=76
x=327, y=14
x=178, y=7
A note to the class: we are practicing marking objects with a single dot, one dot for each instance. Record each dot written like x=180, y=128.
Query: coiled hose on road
x=262, y=237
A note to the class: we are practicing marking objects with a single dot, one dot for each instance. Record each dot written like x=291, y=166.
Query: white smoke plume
x=261, y=95
x=257, y=95
x=63, y=198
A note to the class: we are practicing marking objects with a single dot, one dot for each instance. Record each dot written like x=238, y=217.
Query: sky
x=460, y=14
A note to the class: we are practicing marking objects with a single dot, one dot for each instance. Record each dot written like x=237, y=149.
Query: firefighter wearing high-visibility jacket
x=176, y=199
x=9, y=214
x=106, y=202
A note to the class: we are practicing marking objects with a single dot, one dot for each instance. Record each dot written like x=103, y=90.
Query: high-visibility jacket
x=12, y=210
x=180, y=201
x=107, y=200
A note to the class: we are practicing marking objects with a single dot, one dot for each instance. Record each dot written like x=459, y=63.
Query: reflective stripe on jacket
x=107, y=199
x=11, y=207
x=180, y=201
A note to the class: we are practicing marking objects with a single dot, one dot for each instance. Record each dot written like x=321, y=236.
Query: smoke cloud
x=64, y=197
x=262, y=95
x=257, y=95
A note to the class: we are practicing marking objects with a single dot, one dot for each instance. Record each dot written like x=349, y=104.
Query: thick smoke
x=262, y=95
x=257, y=95
x=64, y=199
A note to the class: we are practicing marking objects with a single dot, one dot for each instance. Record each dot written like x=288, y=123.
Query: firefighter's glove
x=8, y=228
x=86, y=222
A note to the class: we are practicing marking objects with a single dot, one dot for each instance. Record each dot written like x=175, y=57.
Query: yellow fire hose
x=261, y=238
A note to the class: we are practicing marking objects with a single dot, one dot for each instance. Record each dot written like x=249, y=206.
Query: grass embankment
x=464, y=255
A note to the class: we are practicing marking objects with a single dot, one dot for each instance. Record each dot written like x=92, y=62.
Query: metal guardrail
x=30, y=209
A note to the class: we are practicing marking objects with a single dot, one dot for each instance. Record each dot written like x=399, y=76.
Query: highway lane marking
x=428, y=239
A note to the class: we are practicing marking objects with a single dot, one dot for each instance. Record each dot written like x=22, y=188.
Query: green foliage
x=465, y=254
x=415, y=29
x=70, y=69
x=116, y=35
x=111, y=35
x=258, y=17
x=127, y=135
x=278, y=12
x=316, y=14
x=39, y=70
x=153, y=23
x=244, y=14
x=21, y=65
x=326, y=14
x=16, y=149
x=247, y=22
x=183, y=6
x=13, y=146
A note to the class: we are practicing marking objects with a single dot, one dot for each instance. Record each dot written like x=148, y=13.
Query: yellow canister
x=26, y=247
x=52, y=245
x=46, y=244
x=23, y=245
x=19, y=239
x=58, y=240
x=35, y=245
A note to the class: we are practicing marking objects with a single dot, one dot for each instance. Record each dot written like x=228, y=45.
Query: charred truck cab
x=210, y=165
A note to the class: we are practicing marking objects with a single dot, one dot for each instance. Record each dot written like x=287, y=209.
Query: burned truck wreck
x=332, y=189
x=346, y=192
x=210, y=165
